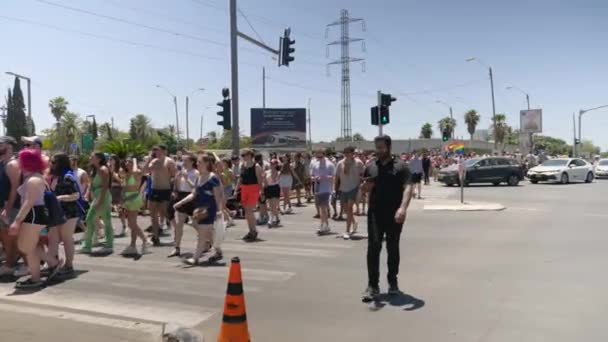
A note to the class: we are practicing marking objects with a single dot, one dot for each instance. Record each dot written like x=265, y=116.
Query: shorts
x=250, y=194
x=38, y=215
x=349, y=196
x=272, y=191
x=160, y=195
x=322, y=198
x=285, y=181
x=116, y=192
x=416, y=178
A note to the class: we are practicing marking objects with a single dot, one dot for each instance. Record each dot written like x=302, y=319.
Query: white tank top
x=192, y=176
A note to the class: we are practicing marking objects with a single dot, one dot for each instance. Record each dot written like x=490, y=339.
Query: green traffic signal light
x=446, y=138
x=384, y=120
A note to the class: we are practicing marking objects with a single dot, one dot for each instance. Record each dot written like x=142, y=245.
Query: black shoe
x=29, y=284
x=317, y=216
x=250, y=237
x=176, y=252
x=155, y=241
x=370, y=294
x=148, y=230
x=393, y=290
x=215, y=257
x=67, y=272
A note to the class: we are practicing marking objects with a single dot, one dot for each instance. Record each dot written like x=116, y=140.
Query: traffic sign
x=87, y=142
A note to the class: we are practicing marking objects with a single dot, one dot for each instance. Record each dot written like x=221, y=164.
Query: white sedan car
x=564, y=170
x=601, y=169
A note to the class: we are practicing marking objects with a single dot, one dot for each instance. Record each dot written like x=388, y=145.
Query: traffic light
x=387, y=99
x=226, y=122
x=446, y=134
x=384, y=115
x=577, y=141
x=286, y=49
x=375, y=118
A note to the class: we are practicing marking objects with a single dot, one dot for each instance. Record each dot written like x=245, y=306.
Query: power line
x=447, y=88
x=252, y=28
x=109, y=38
x=128, y=22
x=161, y=15
x=209, y=4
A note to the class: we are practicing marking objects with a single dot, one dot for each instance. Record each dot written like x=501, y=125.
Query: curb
x=467, y=206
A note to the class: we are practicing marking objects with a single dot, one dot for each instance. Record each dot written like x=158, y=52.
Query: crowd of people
x=45, y=200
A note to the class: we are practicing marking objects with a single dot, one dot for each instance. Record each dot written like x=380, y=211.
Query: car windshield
x=603, y=162
x=555, y=162
x=472, y=162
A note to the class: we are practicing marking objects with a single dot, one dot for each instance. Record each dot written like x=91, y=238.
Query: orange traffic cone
x=234, y=323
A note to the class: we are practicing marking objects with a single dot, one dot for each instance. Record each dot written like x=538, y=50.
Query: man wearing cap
x=34, y=142
x=9, y=206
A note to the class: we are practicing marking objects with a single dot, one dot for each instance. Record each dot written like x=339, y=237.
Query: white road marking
x=148, y=328
x=127, y=307
x=165, y=268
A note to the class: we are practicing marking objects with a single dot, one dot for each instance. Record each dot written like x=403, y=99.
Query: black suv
x=493, y=170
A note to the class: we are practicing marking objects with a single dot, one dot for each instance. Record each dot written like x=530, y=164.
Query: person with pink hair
x=32, y=217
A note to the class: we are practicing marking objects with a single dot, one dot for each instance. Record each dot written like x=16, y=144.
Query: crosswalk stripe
x=148, y=328
x=122, y=306
x=145, y=282
x=166, y=268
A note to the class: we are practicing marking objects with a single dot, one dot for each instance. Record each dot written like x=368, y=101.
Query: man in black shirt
x=388, y=181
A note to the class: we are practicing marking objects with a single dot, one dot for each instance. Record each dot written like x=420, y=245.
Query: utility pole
x=176, y=120
x=3, y=118
x=574, y=135
x=309, y=127
x=493, y=108
x=201, y=135
x=263, y=87
x=112, y=120
x=187, y=123
x=234, y=67
x=379, y=111
x=345, y=61
x=580, y=121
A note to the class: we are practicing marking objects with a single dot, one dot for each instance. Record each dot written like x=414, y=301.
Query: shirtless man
x=9, y=205
x=162, y=169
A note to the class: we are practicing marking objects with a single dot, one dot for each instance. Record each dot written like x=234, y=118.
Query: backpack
x=53, y=207
x=82, y=204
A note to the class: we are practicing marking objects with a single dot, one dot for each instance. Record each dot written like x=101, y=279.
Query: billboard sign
x=278, y=127
x=531, y=121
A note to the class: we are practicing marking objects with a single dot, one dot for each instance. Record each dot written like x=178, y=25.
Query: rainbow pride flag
x=456, y=147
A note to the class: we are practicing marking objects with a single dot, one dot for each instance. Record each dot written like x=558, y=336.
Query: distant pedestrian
x=388, y=182
x=426, y=168
x=322, y=173
x=417, y=170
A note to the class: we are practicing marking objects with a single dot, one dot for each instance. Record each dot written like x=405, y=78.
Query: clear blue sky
x=553, y=49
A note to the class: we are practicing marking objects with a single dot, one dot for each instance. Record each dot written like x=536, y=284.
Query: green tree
x=212, y=137
x=94, y=131
x=124, y=148
x=501, y=127
x=225, y=142
x=587, y=147
x=426, y=131
x=16, y=121
x=358, y=137
x=58, y=106
x=141, y=130
x=471, y=118
x=447, y=124
x=551, y=145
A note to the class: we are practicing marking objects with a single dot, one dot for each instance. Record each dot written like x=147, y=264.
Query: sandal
x=29, y=284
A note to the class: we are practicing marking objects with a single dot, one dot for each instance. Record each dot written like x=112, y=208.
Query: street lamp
x=451, y=115
x=188, y=115
x=3, y=109
x=202, y=115
x=521, y=91
x=580, y=117
x=176, y=113
x=29, y=99
x=473, y=59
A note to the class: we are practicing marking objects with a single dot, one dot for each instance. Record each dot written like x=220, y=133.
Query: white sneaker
x=346, y=236
x=289, y=210
x=130, y=250
x=21, y=271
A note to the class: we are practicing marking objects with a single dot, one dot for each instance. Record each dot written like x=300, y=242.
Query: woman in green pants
x=101, y=203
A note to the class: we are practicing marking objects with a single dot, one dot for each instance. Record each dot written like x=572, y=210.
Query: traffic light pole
x=234, y=67
x=379, y=107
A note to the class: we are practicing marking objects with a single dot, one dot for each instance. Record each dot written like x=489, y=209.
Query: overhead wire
x=132, y=23
x=250, y=25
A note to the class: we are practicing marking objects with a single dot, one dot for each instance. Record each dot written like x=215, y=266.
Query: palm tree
x=502, y=128
x=70, y=128
x=358, y=137
x=471, y=118
x=426, y=132
x=58, y=106
x=447, y=124
x=141, y=128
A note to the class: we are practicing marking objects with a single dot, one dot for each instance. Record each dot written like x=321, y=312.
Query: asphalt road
x=533, y=272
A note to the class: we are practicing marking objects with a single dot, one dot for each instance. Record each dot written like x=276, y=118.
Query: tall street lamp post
x=176, y=112
x=451, y=114
x=580, y=122
x=474, y=59
x=188, y=115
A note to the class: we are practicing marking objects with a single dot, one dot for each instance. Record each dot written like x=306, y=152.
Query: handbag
x=55, y=212
x=200, y=214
